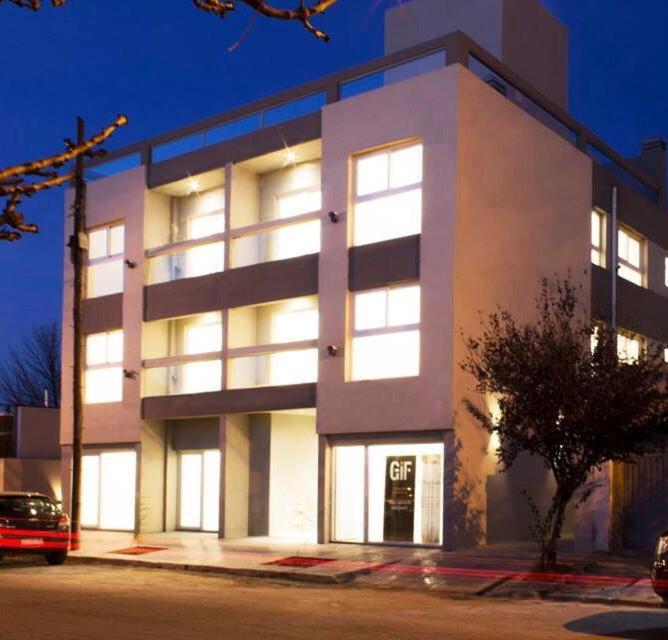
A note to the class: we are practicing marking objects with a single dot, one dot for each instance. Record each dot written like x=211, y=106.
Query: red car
x=32, y=523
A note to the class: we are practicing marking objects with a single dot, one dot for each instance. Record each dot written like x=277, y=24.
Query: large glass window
x=103, y=381
x=386, y=333
x=402, y=486
x=199, y=490
x=630, y=256
x=598, y=238
x=388, y=194
x=105, y=260
x=285, y=242
x=108, y=490
x=274, y=369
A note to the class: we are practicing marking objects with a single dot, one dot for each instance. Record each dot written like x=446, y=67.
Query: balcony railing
x=455, y=48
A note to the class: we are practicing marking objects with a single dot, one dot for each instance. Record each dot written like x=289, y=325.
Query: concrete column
x=235, y=459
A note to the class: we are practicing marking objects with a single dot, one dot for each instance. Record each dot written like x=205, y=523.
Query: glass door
x=199, y=490
x=388, y=493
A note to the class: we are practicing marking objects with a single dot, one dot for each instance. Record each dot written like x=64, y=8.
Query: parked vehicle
x=660, y=568
x=32, y=523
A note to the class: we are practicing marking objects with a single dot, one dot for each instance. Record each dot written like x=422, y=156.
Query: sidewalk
x=497, y=571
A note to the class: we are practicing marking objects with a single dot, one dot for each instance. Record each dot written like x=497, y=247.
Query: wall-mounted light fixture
x=332, y=350
x=130, y=264
x=130, y=373
x=334, y=217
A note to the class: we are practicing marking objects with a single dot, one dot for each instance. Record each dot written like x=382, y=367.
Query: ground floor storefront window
x=199, y=490
x=108, y=490
x=388, y=493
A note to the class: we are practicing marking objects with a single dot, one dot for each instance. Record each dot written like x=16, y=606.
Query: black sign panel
x=399, y=499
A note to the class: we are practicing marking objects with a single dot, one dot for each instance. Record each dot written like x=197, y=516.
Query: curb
x=312, y=578
x=612, y=602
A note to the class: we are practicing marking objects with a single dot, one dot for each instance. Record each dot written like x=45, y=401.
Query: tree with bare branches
x=29, y=178
x=30, y=376
x=303, y=12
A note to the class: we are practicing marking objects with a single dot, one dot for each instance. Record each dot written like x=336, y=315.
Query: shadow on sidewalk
x=631, y=625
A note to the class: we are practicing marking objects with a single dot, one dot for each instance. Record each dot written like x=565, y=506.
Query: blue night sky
x=166, y=67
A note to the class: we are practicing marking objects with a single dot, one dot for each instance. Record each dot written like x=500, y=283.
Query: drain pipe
x=615, y=261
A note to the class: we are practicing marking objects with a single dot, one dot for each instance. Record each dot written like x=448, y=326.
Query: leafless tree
x=303, y=12
x=26, y=179
x=31, y=374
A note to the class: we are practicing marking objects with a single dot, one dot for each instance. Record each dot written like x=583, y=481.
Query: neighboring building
x=30, y=450
x=276, y=295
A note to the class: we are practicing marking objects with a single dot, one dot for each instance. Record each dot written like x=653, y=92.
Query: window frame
x=386, y=330
x=601, y=249
x=640, y=269
x=108, y=258
x=389, y=192
x=106, y=365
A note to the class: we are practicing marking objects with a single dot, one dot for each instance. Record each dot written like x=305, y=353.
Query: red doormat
x=300, y=561
x=138, y=551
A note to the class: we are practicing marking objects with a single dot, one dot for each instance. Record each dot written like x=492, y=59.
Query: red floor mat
x=138, y=551
x=300, y=561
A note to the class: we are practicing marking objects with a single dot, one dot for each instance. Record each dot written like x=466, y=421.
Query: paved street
x=81, y=601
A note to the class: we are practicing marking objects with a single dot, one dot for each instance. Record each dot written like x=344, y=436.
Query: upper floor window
x=630, y=256
x=628, y=347
x=598, y=238
x=388, y=194
x=105, y=260
x=104, y=368
x=386, y=333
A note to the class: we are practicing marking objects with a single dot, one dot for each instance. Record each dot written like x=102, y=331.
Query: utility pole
x=79, y=256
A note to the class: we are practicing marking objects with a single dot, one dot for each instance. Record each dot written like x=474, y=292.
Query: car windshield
x=20, y=507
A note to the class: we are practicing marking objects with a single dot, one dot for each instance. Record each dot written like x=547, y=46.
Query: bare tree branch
x=32, y=368
x=302, y=13
x=12, y=179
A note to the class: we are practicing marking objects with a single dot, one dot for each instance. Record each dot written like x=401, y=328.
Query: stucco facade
x=237, y=402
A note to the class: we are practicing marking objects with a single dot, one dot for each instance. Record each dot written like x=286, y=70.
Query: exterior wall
x=293, y=482
x=375, y=119
x=523, y=213
x=152, y=478
x=42, y=476
x=120, y=197
x=235, y=450
x=522, y=33
x=37, y=433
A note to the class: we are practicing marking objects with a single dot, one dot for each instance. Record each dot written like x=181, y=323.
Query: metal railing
x=455, y=48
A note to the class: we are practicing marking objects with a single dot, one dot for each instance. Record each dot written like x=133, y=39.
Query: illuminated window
x=396, y=488
x=203, y=334
x=108, y=490
x=299, y=203
x=105, y=260
x=628, y=347
x=205, y=225
x=297, y=321
x=665, y=277
x=598, y=238
x=386, y=333
x=104, y=370
x=388, y=194
x=630, y=259
x=298, y=366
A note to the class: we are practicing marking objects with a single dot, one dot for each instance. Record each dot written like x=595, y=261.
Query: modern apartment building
x=276, y=295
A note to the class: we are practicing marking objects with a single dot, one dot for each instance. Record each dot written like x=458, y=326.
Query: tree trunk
x=555, y=520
